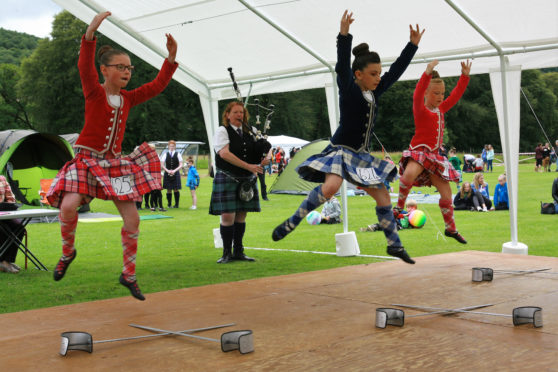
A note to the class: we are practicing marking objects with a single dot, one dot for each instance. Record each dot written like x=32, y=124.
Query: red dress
x=98, y=170
x=429, y=134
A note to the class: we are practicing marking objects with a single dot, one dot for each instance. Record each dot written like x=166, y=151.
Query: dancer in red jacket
x=421, y=164
x=98, y=170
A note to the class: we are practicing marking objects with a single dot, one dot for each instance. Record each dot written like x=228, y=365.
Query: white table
x=25, y=215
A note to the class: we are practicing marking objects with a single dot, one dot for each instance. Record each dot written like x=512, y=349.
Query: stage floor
x=322, y=320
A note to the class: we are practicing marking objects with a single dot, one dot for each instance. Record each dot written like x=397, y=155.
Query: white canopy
x=284, y=45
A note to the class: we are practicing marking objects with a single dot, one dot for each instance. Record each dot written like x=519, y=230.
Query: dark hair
x=363, y=57
x=436, y=79
x=106, y=52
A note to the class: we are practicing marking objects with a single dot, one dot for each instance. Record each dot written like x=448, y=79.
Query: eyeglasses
x=120, y=67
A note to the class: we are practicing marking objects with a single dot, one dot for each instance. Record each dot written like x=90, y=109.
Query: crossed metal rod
x=438, y=310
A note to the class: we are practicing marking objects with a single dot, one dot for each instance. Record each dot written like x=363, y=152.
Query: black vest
x=244, y=149
x=171, y=162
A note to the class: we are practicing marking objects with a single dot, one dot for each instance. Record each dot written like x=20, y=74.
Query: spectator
x=555, y=194
x=481, y=192
x=192, y=182
x=331, y=212
x=489, y=157
x=501, y=200
x=171, y=163
x=538, y=157
x=484, y=158
x=456, y=164
x=478, y=164
x=463, y=200
x=556, y=154
x=546, y=157
x=468, y=160
x=7, y=202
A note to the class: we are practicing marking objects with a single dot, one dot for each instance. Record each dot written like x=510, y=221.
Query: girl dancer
x=347, y=157
x=98, y=170
x=421, y=165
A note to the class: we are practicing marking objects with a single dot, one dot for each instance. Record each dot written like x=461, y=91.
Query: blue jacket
x=357, y=115
x=485, y=191
x=501, y=194
x=193, y=177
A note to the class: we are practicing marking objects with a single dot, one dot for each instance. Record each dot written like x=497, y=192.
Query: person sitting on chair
x=7, y=202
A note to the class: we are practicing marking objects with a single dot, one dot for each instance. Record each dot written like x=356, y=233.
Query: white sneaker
x=479, y=209
x=484, y=209
x=193, y=207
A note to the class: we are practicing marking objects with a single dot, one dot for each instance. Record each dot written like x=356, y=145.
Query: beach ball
x=417, y=218
x=314, y=218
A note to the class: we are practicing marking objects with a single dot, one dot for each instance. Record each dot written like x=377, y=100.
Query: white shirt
x=221, y=138
x=168, y=153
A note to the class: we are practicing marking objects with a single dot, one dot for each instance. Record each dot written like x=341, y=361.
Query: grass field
x=179, y=252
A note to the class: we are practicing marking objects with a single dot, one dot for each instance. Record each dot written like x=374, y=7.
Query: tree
x=13, y=113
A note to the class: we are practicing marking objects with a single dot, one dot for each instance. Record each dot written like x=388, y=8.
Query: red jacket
x=105, y=124
x=429, y=125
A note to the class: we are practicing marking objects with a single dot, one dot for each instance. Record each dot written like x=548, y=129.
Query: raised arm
x=94, y=25
x=459, y=89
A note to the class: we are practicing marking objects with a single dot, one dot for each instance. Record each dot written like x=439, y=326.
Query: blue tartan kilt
x=224, y=197
x=173, y=183
x=358, y=168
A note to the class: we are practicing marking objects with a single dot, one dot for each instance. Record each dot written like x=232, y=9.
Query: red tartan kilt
x=106, y=177
x=432, y=162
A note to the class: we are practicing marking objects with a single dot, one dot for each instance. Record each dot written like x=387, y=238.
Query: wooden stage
x=322, y=320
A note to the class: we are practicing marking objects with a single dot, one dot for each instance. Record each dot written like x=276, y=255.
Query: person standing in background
x=172, y=164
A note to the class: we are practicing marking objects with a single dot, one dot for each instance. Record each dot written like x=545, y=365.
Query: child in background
x=456, y=163
x=501, y=200
x=483, y=194
x=192, y=182
x=98, y=170
x=402, y=219
x=464, y=199
x=331, y=212
x=478, y=164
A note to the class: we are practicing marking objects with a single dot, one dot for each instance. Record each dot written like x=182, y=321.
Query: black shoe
x=225, y=259
x=133, y=287
x=457, y=236
x=265, y=198
x=62, y=266
x=162, y=209
x=401, y=253
x=176, y=206
x=238, y=255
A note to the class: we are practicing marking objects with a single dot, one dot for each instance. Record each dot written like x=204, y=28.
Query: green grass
x=179, y=252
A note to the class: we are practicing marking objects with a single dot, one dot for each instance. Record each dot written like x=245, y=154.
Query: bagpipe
x=262, y=145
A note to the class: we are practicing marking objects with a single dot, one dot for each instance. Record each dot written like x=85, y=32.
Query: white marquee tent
x=285, y=45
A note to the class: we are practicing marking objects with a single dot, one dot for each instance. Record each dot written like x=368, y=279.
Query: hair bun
x=102, y=50
x=361, y=50
x=435, y=74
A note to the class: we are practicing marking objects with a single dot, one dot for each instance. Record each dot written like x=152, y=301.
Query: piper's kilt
x=358, y=168
x=107, y=177
x=173, y=183
x=224, y=197
x=432, y=162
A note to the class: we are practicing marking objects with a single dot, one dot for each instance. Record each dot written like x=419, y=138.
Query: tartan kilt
x=224, y=197
x=432, y=162
x=107, y=177
x=172, y=184
x=358, y=168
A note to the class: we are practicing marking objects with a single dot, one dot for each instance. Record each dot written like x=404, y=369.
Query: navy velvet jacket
x=357, y=115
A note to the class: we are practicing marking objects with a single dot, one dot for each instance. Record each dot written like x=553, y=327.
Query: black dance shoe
x=401, y=253
x=62, y=266
x=457, y=236
x=133, y=287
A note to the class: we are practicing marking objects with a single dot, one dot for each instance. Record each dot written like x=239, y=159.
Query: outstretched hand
x=416, y=35
x=466, y=67
x=346, y=21
x=430, y=66
x=95, y=23
x=172, y=46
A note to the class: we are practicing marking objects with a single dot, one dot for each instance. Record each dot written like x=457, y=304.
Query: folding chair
x=45, y=186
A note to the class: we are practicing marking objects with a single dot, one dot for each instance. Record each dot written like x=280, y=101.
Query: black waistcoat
x=171, y=162
x=243, y=148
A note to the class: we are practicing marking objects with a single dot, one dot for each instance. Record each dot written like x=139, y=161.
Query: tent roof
x=216, y=34
x=286, y=141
